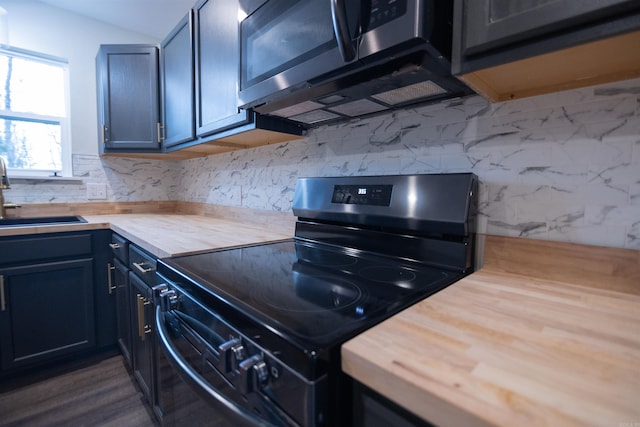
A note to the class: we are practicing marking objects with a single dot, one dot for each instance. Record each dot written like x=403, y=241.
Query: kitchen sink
x=46, y=220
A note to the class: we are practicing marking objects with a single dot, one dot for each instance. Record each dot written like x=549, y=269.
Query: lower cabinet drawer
x=120, y=247
x=34, y=249
x=142, y=264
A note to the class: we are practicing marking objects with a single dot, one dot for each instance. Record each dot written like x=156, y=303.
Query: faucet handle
x=4, y=184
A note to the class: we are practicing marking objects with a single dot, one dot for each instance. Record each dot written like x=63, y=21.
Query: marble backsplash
x=127, y=180
x=562, y=167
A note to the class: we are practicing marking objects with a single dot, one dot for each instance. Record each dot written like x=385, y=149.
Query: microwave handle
x=197, y=382
x=341, y=30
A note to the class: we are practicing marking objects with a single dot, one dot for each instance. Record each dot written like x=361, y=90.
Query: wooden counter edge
x=426, y=405
x=596, y=267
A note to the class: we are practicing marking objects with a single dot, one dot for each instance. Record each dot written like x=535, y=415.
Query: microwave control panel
x=383, y=11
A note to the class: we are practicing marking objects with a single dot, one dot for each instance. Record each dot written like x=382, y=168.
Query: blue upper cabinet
x=518, y=48
x=200, y=110
x=128, y=113
x=217, y=63
x=177, y=84
x=494, y=24
x=182, y=100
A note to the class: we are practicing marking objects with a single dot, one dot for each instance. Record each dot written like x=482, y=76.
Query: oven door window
x=283, y=33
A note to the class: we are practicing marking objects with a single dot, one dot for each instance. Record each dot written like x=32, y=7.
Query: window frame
x=64, y=122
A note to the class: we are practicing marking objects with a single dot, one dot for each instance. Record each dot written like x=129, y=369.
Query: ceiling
x=155, y=18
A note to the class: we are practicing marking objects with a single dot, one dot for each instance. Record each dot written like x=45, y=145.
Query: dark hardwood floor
x=100, y=394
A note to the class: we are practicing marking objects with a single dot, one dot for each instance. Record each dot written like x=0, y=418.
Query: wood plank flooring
x=102, y=394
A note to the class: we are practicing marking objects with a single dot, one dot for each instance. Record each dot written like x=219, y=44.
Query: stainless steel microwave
x=322, y=61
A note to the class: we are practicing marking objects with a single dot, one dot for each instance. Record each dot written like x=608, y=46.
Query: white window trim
x=65, y=122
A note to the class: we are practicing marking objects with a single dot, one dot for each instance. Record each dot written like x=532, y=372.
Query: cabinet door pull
x=143, y=328
x=114, y=246
x=140, y=304
x=110, y=284
x=3, y=302
x=160, y=137
x=140, y=266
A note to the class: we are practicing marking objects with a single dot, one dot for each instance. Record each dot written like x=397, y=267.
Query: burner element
x=314, y=294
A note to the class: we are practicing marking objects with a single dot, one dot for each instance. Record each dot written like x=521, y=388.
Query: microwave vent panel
x=410, y=93
x=303, y=107
x=316, y=116
x=332, y=99
x=358, y=108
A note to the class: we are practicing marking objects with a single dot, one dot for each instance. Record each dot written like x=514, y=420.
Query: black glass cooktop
x=317, y=294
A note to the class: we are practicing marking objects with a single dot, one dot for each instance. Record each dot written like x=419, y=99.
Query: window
x=34, y=124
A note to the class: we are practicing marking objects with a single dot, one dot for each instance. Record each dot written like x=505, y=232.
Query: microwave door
x=284, y=45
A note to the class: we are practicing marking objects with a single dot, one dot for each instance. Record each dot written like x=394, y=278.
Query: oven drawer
x=120, y=247
x=142, y=264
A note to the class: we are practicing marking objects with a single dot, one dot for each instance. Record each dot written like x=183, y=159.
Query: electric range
x=256, y=330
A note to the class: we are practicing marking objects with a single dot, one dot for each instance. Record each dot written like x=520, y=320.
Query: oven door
x=191, y=390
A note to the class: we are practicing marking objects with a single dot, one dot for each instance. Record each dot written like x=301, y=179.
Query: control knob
x=168, y=297
x=232, y=352
x=254, y=373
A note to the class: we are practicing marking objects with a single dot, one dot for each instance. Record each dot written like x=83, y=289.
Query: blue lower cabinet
x=55, y=302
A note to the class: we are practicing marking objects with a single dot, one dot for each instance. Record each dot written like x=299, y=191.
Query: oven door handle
x=198, y=383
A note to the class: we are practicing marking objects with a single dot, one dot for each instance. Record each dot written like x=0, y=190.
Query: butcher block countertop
x=166, y=235
x=546, y=334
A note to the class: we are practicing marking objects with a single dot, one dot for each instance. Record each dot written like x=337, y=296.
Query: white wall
x=39, y=27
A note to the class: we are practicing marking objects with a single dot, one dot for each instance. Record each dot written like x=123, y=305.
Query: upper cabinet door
x=496, y=23
x=128, y=98
x=177, y=84
x=217, y=67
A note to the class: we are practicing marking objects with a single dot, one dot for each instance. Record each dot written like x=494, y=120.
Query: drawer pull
x=140, y=266
x=111, y=287
x=114, y=246
x=3, y=302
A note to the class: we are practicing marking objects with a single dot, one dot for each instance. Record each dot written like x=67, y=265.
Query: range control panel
x=376, y=195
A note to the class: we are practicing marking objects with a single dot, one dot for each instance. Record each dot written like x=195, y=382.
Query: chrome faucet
x=4, y=184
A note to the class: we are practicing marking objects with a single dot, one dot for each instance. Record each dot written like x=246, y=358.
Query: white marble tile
x=609, y=215
x=563, y=166
x=591, y=152
x=623, y=88
x=531, y=229
x=634, y=193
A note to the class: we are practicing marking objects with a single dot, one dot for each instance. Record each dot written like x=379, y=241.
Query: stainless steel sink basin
x=47, y=220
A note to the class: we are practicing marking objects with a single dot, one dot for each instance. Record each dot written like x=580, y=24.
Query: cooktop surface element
x=315, y=294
